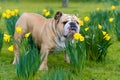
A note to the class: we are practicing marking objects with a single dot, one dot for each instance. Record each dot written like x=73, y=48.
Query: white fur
x=66, y=28
x=60, y=43
x=69, y=18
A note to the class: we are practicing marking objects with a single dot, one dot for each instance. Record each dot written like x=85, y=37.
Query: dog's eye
x=77, y=22
x=64, y=22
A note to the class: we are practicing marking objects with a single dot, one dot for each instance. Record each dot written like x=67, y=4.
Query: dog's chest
x=60, y=45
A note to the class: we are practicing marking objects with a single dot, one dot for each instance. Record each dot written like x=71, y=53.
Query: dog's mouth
x=71, y=32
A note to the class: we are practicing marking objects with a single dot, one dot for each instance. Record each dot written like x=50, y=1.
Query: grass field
x=108, y=70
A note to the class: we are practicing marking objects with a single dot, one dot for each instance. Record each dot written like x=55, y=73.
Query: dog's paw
x=14, y=62
x=43, y=67
x=67, y=60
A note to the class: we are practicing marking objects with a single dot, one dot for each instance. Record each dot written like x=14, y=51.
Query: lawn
x=107, y=70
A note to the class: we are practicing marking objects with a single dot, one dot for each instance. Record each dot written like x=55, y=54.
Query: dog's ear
x=58, y=15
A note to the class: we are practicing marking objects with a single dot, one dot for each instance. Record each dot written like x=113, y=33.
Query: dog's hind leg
x=17, y=40
x=17, y=36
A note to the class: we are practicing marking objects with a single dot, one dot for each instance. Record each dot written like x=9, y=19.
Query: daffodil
x=8, y=16
x=6, y=38
x=86, y=18
x=81, y=23
x=104, y=33
x=11, y=48
x=4, y=15
x=107, y=37
x=111, y=20
x=113, y=7
x=98, y=9
x=8, y=11
x=27, y=35
x=99, y=26
x=76, y=36
x=44, y=11
x=86, y=29
x=81, y=38
x=13, y=13
x=18, y=29
x=16, y=11
x=47, y=13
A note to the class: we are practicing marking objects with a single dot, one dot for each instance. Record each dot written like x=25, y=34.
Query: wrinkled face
x=68, y=25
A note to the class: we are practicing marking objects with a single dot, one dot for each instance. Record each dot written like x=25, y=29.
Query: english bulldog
x=49, y=34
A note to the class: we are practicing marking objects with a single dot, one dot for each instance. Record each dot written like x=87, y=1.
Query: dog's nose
x=72, y=24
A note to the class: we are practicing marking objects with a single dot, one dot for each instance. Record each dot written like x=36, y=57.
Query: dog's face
x=67, y=24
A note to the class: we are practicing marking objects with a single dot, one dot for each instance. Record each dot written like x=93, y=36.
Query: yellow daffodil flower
x=8, y=16
x=86, y=29
x=81, y=38
x=81, y=23
x=11, y=48
x=4, y=15
x=6, y=38
x=99, y=26
x=8, y=12
x=97, y=9
x=27, y=35
x=86, y=19
x=13, y=13
x=44, y=11
x=104, y=33
x=113, y=7
x=111, y=20
x=47, y=13
x=18, y=29
x=107, y=37
x=76, y=36
x=16, y=11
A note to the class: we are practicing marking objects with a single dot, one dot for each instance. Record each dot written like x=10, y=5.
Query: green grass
x=108, y=70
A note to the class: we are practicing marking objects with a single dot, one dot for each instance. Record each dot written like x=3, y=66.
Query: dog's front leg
x=44, y=56
x=67, y=59
x=17, y=39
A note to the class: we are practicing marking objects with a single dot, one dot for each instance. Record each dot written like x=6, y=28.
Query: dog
x=49, y=34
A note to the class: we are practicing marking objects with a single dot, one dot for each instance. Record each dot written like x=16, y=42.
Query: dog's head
x=67, y=24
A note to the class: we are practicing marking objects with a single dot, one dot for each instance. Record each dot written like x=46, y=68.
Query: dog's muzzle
x=73, y=28
x=70, y=29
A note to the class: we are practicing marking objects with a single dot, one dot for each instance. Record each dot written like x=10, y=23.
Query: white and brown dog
x=49, y=34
